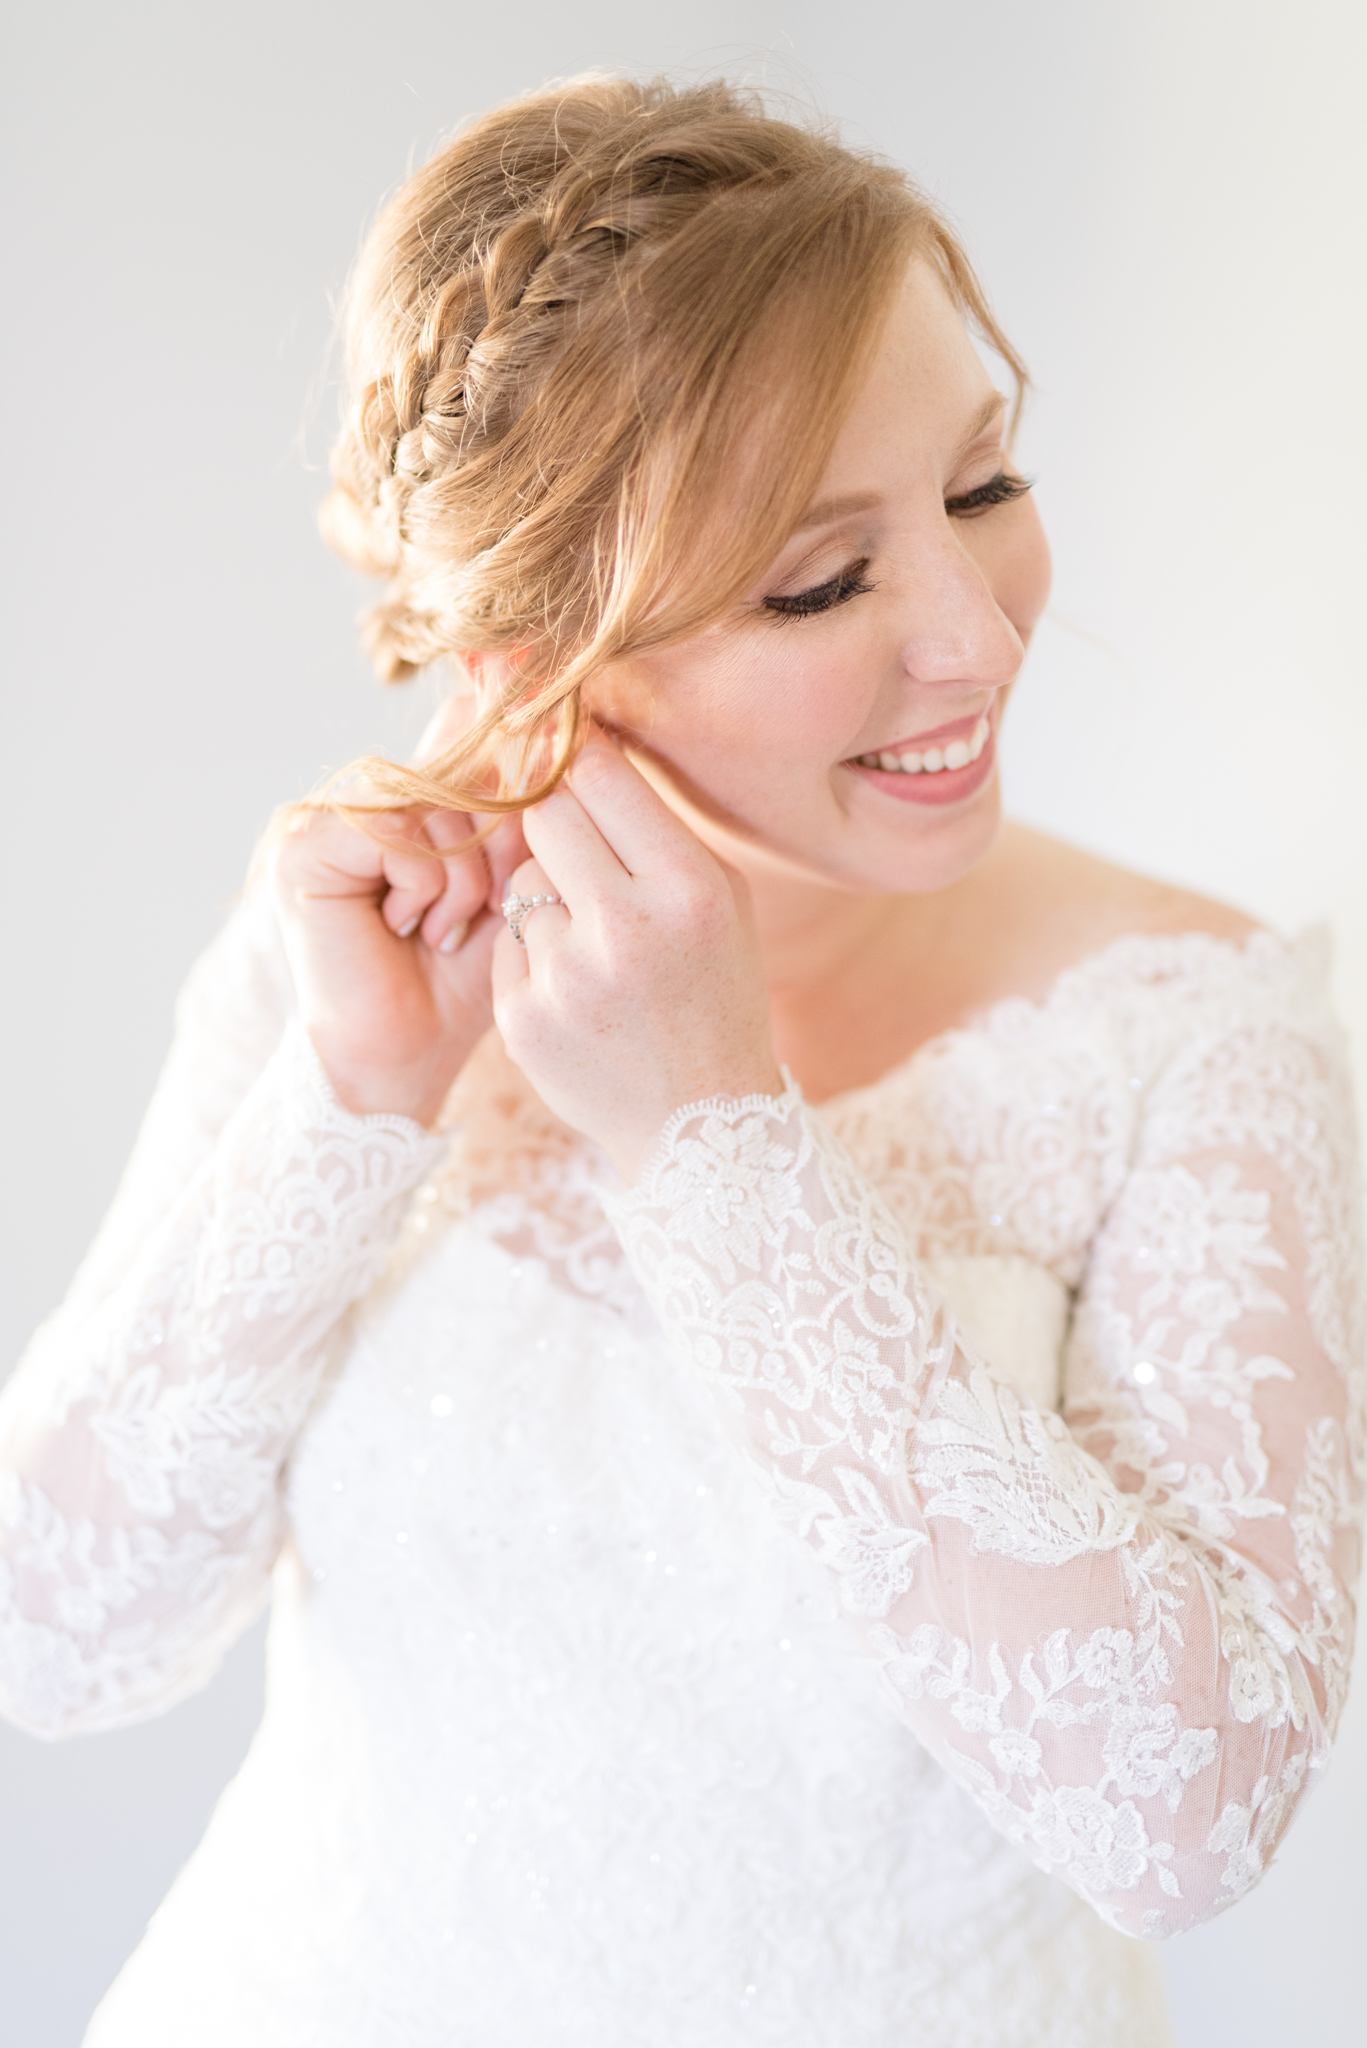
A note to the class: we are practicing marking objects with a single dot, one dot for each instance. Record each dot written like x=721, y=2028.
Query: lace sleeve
x=142, y=1435
x=1126, y=1631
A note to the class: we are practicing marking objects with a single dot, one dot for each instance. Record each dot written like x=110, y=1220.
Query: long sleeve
x=1126, y=1630
x=143, y=1434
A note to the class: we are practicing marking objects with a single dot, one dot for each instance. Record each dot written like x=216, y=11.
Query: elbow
x=62, y=1697
x=1183, y=1889
x=1155, y=1922
x=33, y=1717
x=52, y=1688
x=1186, y=1898
x=54, y=1684
x=43, y=1682
x=46, y=1688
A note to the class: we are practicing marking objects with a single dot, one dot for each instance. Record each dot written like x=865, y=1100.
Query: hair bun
x=351, y=531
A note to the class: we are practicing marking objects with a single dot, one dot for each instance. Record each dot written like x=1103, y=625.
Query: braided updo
x=600, y=347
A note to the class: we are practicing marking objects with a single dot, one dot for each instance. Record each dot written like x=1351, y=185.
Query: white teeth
x=958, y=754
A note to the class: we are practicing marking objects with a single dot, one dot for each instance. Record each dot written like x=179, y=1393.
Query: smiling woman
x=790, y=1355
x=584, y=342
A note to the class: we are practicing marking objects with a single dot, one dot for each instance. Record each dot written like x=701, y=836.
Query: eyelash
x=1002, y=489
x=822, y=597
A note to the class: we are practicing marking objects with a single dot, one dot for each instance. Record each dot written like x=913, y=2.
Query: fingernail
x=406, y=931
x=454, y=937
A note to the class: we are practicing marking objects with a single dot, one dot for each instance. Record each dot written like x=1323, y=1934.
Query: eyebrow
x=988, y=412
x=825, y=510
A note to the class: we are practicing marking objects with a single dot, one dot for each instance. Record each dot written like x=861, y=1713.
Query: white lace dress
x=834, y=1595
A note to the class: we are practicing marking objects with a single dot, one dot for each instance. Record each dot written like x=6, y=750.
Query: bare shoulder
x=1054, y=905
x=1102, y=901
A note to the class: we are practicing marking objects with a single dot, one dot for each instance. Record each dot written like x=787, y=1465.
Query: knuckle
x=528, y=880
x=466, y=887
x=562, y=976
x=695, y=905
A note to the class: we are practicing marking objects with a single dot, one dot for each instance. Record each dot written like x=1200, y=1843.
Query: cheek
x=1013, y=555
x=770, y=697
x=1021, y=575
x=808, y=698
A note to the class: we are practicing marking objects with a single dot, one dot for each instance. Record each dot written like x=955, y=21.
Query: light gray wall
x=1167, y=204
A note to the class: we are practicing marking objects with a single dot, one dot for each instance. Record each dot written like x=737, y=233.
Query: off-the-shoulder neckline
x=1260, y=940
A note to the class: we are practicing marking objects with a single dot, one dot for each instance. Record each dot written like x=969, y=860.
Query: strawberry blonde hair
x=599, y=349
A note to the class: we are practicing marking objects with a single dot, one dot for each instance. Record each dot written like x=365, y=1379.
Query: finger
x=416, y=879
x=465, y=965
x=321, y=854
x=529, y=878
x=505, y=849
x=324, y=859
x=552, y=919
x=466, y=881
x=510, y=969
x=419, y=878
x=569, y=845
x=642, y=831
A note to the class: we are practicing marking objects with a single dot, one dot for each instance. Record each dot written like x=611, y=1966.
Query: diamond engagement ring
x=517, y=909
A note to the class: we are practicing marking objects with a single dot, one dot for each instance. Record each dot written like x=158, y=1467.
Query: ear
x=488, y=674
x=478, y=679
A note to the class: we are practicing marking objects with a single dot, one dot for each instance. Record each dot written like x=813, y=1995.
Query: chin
x=865, y=863
x=922, y=852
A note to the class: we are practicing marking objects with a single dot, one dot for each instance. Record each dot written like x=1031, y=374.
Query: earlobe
x=488, y=674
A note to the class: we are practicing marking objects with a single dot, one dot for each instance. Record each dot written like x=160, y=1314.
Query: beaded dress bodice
x=834, y=1592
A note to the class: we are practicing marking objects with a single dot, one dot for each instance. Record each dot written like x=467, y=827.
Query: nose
x=958, y=633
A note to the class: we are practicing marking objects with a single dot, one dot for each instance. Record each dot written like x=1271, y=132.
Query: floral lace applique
x=1082, y=1617
x=1092, y=1620
x=142, y=1517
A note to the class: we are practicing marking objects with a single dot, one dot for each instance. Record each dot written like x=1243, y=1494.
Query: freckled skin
x=807, y=914
x=753, y=721
x=881, y=923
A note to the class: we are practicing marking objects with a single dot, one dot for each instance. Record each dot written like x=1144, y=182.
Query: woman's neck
x=853, y=978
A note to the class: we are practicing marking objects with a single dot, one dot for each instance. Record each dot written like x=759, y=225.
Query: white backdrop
x=1166, y=203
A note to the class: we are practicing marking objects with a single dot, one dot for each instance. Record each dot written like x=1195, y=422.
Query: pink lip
x=958, y=728
x=949, y=786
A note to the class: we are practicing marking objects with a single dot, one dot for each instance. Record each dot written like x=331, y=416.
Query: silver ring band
x=517, y=909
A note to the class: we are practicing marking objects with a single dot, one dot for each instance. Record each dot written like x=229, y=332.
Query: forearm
x=1130, y=1685
x=142, y=1440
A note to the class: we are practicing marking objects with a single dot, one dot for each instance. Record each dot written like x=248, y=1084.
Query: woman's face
x=887, y=633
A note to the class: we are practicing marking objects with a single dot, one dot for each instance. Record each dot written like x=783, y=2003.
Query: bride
x=788, y=1355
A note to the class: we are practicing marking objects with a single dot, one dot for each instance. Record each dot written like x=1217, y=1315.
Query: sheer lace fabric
x=566, y=1737
x=1125, y=1631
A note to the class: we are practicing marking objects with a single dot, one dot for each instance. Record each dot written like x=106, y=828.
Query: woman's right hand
x=390, y=939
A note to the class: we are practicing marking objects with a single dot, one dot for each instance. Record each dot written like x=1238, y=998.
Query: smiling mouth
x=932, y=760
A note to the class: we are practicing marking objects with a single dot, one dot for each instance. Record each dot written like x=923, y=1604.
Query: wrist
x=416, y=1090
x=631, y=1147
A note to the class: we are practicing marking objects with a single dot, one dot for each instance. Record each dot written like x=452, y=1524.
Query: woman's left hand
x=644, y=992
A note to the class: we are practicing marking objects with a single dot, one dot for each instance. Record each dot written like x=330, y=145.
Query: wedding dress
x=837, y=1592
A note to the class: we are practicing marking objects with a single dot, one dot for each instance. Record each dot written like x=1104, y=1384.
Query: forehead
x=927, y=390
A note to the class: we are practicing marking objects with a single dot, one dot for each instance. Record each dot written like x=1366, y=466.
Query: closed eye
x=822, y=597
x=1001, y=489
